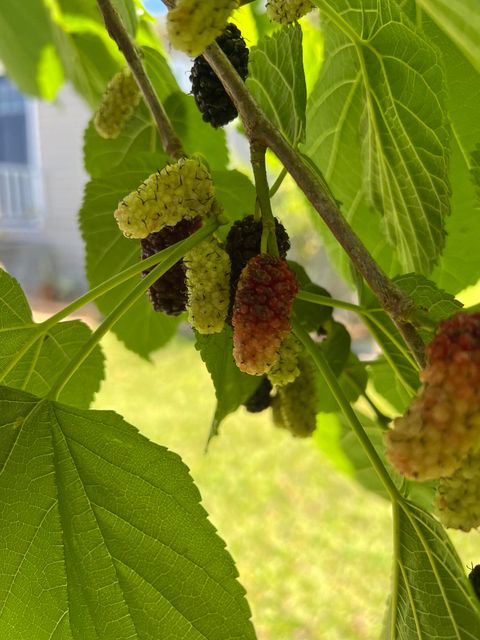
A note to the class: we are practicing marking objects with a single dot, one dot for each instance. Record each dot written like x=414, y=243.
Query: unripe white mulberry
x=287, y=11
x=194, y=24
x=295, y=405
x=458, y=497
x=285, y=369
x=179, y=191
x=208, y=284
x=119, y=101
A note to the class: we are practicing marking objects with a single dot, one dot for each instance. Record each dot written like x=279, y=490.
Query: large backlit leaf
x=31, y=357
x=378, y=112
x=277, y=81
x=432, y=597
x=460, y=20
x=103, y=534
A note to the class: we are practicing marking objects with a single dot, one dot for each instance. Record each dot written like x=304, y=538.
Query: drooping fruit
x=287, y=11
x=194, y=24
x=212, y=100
x=169, y=292
x=286, y=369
x=294, y=406
x=208, y=284
x=458, y=497
x=183, y=190
x=261, y=312
x=443, y=423
x=118, y=104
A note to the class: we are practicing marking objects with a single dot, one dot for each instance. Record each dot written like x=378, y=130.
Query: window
x=20, y=184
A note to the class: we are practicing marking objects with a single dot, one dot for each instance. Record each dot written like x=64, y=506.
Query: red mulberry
x=263, y=303
x=443, y=423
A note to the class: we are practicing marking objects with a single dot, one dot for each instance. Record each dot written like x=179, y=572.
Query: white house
x=41, y=186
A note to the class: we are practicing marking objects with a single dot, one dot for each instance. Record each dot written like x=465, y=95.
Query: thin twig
x=170, y=141
x=260, y=130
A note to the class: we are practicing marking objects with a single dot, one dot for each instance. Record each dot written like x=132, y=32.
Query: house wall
x=48, y=257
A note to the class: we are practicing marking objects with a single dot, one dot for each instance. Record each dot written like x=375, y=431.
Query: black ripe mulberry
x=169, y=292
x=212, y=100
x=260, y=398
x=243, y=242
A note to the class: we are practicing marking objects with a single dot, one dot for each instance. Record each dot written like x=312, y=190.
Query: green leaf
x=431, y=597
x=311, y=316
x=32, y=357
x=277, y=81
x=104, y=536
x=232, y=387
x=108, y=252
x=460, y=20
x=435, y=302
x=395, y=352
x=385, y=122
x=26, y=40
x=196, y=135
x=128, y=14
x=390, y=386
x=459, y=265
x=236, y=193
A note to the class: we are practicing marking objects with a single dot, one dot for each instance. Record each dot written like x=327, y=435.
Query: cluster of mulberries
x=443, y=423
x=243, y=243
x=208, y=279
x=119, y=101
x=287, y=11
x=439, y=437
x=183, y=190
x=212, y=100
x=169, y=292
x=263, y=303
x=194, y=24
x=294, y=406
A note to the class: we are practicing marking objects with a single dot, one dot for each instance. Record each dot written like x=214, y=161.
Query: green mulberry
x=287, y=11
x=458, y=497
x=194, y=24
x=285, y=369
x=119, y=101
x=294, y=406
x=179, y=191
x=208, y=285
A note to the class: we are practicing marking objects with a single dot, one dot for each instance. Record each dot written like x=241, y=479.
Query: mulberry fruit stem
x=170, y=141
x=175, y=253
x=324, y=368
x=268, y=242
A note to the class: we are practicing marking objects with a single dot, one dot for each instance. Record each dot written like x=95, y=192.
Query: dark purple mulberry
x=260, y=398
x=212, y=100
x=169, y=292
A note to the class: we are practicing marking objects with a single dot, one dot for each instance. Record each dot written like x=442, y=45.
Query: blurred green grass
x=311, y=546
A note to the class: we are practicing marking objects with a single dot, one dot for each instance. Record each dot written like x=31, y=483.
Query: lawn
x=312, y=547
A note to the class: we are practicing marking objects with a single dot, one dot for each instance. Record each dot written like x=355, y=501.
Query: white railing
x=20, y=197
